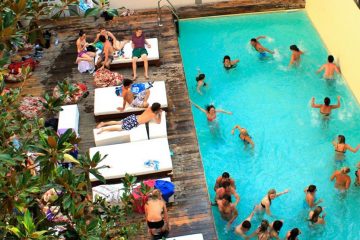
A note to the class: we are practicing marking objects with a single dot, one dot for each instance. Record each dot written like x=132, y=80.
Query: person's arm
x=333, y=176
x=315, y=105
x=317, y=203
x=217, y=184
x=198, y=107
x=124, y=101
x=106, y=54
x=198, y=88
x=97, y=38
x=112, y=36
x=347, y=184
x=292, y=60
x=166, y=218
x=337, y=105
x=234, y=128
x=267, y=50
x=254, y=234
x=223, y=111
x=260, y=37
x=233, y=62
x=320, y=69
x=282, y=193
x=337, y=69
x=267, y=209
x=233, y=218
x=237, y=197
x=251, y=215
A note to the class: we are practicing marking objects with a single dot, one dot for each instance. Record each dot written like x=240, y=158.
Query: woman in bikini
x=325, y=109
x=244, y=135
x=266, y=201
x=295, y=56
x=81, y=45
x=262, y=232
x=210, y=111
x=200, y=82
x=314, y=216
x=156, y=215
x=340, y=147
x=357, y=175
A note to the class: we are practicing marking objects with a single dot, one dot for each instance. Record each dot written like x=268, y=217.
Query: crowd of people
x=225, y=188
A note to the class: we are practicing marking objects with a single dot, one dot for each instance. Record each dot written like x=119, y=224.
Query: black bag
x=107, y=16
x=91, y=48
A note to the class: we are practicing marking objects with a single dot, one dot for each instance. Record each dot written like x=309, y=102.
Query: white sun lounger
x=113, y=192
x=188, y=237
x=126, y=59
x=106, y=102
x=136, y=134
x=131, y=157
x=69, y=118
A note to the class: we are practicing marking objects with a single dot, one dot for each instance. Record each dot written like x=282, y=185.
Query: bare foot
x=100, y=130
x=100, y=125
x=135, y=77
x=146, y=76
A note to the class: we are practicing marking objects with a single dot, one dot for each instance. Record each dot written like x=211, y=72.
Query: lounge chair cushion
x=69, y=118
x=188, y=237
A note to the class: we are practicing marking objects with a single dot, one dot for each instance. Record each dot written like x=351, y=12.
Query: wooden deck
x=191, y=212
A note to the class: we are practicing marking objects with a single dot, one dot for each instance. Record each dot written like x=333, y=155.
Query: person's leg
x=146, y=65
x=107, y=63
x=109, y=123
x=110, y=129
x=91, y=54
x=147, y=95
x=134, y=60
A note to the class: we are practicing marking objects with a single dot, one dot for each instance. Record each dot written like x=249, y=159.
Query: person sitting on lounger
x=83, y=54
x=325, y=109
x=260, y=48
x=228, y=63
x=330, y=68
x=108, y=35
x=139, y=51
x=138, y=101
x=107, y=55
x=132, y=121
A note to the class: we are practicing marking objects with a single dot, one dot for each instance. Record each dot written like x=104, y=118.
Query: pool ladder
x=171, y=7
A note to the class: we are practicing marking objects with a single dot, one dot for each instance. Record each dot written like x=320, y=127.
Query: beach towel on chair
x=136, y=88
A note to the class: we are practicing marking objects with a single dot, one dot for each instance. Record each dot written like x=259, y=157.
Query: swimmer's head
x=127, y=83
x=264, y=225
x=294, y=233
x=226, y=199
x=227, y=60
x=311, y=189
x=330, y=58
x=253, y=41
x=294, y=48
x=341, y=138
x=201, y=77
x=225, y=175
x=243, y=131
x=327, y=101
x=277, y=225
x=226, y=184
x=272, y=193
x=246, y=225
x=345, y=170
x=210, y=108
x=318, y=210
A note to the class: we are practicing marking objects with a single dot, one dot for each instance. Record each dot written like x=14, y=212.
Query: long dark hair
x=293, y=234
x=294, y=48
x=316, y=213
x=209, y=107
x=341, y=139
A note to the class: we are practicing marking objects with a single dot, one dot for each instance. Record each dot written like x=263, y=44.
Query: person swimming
x=245, y=226
x=330, y=68
x=228, y=63
x=262, y=232
x=260, y=48
x=310, y=198
x=340, y=147
x=275, y=228
x=293, y=234
x=325, y=109
x=314, y=216
x=210, y=111
x=227, y=209
x=265, y=203
x=225, y=177
x=244, y=135
x=200, y=82
x=295, y=56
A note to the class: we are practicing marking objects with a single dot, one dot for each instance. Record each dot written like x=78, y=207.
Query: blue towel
x=136, y=88
x=152, y=163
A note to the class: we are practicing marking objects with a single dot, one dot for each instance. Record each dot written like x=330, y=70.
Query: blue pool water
x=293, y=145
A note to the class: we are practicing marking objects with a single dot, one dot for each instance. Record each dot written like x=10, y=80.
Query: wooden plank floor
x=191, y=212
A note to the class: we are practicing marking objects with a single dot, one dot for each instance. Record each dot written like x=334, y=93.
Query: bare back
x=154, y=210
x=146, y=116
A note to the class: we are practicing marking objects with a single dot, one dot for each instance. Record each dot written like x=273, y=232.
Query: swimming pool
x=292, y=143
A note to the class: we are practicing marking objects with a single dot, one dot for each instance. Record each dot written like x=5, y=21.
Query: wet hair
x=330, y=58
x=293, y=234
x=155, y=107
x=253, y=40
x=200, y=77
x=341, y=138
x=226, y=58
x=345, y=169
x=209, y=107
x=246, y=224
x=271, y=191
x=327, y=101
x=81, y=33
x=102, y=38
x=294, y=48
x=264, y=225
x=227, y=198
x=225, y=184
x=127, y=82
x=315, y=217
x=225, y=175
x=277, y=225
x=311, y=188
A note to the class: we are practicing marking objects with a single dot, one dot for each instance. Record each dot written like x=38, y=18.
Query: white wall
x=143, y=4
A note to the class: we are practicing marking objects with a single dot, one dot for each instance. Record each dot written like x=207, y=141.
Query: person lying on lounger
x=132, y=121
x=138, y=101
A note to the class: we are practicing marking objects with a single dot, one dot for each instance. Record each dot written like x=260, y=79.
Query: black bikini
x=264, y=205
x=338, y=150
x=155, y=225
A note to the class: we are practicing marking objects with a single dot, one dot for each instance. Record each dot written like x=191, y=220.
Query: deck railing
x=170, y=6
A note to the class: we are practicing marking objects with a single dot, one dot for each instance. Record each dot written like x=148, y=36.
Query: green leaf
x=8, y=18
x=97, y=175
x=112, y=12
x=92, y=12
x=15, y=231
x=28, y=222
x=38, y=234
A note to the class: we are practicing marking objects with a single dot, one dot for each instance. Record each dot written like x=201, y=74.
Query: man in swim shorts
x=227, y=189
x=342, y=179
x=135, y=100
x=227, y=209
x=260, y=48
x=225, y=177
x=330, y=68
x=132, y=121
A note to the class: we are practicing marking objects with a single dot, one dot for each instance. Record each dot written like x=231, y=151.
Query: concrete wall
x=338, y=23
x=143, y=4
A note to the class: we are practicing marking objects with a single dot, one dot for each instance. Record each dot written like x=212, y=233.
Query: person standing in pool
x=200, y=82
x=340, y=147
x=314, y=216
x=275, y=228
x=325, y=109
x=264, y=205
x=295, y=55
x=293, y=234
x=260, y=48
x=226, y=189
x=210, y=111
x=228, y=63
x=244, y=135
x=262, y=232
x=245, y=226
x=310, y=197
x=225, y=177
x=330, y=68
x=342, y=179
x=357, y=175
x=227, y=209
